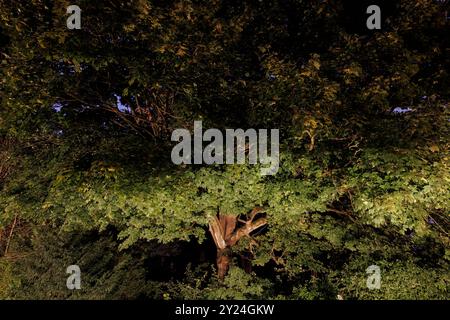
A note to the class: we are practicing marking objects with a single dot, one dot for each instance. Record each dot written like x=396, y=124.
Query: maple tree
x=85, y=123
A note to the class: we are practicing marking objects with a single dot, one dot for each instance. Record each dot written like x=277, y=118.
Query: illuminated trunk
x=226, y=234
x=223, y=262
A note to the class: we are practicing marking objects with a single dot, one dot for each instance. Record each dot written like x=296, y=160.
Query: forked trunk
x=226, y=234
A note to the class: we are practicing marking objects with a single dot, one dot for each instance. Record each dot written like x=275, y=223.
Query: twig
x=10, y=235
x=439, y=226
x=344, y=213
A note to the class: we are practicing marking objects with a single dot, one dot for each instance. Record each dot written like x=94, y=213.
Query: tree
x=363, y=115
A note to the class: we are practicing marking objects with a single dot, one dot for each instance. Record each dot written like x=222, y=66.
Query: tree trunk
x=223, y=262
x=225, y=233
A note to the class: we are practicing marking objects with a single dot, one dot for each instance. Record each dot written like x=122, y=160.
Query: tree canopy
x=86, y=178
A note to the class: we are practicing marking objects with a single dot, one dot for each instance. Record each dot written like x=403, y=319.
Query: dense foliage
x=86, y=176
